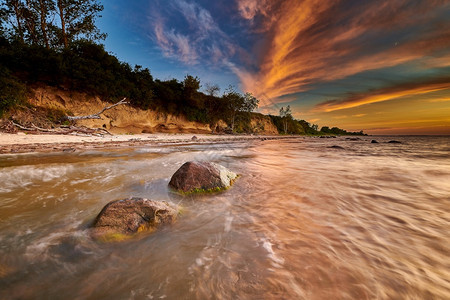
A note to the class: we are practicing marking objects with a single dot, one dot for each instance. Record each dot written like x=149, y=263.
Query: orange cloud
x=385, y=94
x=315, y=41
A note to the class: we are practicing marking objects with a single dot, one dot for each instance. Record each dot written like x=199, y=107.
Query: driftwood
x=73, y=129
x=65, y=130
x=96, y=115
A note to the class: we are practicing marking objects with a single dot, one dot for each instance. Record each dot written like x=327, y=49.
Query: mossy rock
x=201, y=177
x=124, y=219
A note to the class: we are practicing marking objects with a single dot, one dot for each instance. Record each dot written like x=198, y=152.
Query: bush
x=12, y=91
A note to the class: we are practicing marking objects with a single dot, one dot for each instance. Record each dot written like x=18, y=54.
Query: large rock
x=201, y=177
x=124, y=218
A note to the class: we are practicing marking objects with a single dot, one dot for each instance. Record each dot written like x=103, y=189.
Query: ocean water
x=304, y=221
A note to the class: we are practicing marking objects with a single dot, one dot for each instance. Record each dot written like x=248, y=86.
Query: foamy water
x=304, y=221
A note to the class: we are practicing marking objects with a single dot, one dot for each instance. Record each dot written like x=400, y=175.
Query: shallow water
x=304, y=221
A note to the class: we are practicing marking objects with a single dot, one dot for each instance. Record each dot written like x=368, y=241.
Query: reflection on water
x=304, y=221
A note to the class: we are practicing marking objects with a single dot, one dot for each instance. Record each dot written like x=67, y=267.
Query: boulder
x=194, y=138
x=122, y=219
x=201, y=177
x=374, y=142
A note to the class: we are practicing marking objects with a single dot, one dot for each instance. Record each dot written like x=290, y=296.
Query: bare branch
x=23, y=128
x=97, y=115
x=70, y=130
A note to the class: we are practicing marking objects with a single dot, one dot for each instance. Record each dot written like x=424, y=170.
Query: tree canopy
x=51, y=23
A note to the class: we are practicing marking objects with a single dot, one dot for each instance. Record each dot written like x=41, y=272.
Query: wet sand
x=26, y=143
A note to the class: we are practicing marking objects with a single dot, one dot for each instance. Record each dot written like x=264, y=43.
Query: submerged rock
x=122, y=219
x=336, y=147
x=201, y=177
x=374, y=142
x=394, y=142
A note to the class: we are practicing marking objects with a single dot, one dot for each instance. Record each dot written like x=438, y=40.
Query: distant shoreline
x=46, y=143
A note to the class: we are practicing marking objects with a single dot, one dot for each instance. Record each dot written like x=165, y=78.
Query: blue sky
x=380, y=66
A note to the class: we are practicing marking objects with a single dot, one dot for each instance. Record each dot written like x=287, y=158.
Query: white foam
x=268, y=246
x=228, y=221
x=20, y=177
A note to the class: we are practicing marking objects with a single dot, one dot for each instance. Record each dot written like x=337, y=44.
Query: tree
x=15, y=9
x=191, y=85
x=212, y=89
x=3, y=18
x=315, y=127
x=250, y=103
x=43, y=9
x=286, y=116
x=30, y=18
x=236, y=103
x=77, y=19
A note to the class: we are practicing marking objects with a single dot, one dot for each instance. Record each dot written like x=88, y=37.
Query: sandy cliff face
x=262, y=124
x=120, y=119
x=126, y=119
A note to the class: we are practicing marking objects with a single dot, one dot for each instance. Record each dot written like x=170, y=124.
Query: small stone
x=194, y=138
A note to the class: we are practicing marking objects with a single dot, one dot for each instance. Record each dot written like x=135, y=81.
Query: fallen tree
x=96, y=115
x=69, y=129
x=64, y=130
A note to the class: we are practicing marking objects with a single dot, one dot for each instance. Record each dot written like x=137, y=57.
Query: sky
x=382, y=66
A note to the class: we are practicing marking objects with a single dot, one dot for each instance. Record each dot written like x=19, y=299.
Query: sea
x=309, y=218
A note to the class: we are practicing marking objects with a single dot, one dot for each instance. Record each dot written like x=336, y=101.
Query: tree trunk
x=30, y=22
x=233, y=118
x=19, y=23
x=63, y=23
x=43, y=10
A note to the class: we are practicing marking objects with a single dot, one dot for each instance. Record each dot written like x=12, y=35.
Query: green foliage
x=293, y=126
x=12, y=91
x=191, y=85
x=237, y=106
x=3, y=18
x=77, y=21
x=51, y=23
x=56, y=115
x=339, y=131
x=286, y=117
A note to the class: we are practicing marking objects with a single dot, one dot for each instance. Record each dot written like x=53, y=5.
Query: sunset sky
x=374, y=65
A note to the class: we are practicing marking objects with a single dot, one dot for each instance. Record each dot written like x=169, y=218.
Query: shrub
x=12, y=91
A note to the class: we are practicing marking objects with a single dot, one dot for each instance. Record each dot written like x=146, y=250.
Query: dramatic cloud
x=386, y=94
x=175, y=44
x=191, y=35
x=314, y=41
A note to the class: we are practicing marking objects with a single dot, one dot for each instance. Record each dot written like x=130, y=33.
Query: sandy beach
x=25, y=143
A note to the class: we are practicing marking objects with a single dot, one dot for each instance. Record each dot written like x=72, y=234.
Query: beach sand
x=25, y=143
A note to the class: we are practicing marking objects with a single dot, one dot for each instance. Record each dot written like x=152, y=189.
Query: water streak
x=304, y=221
